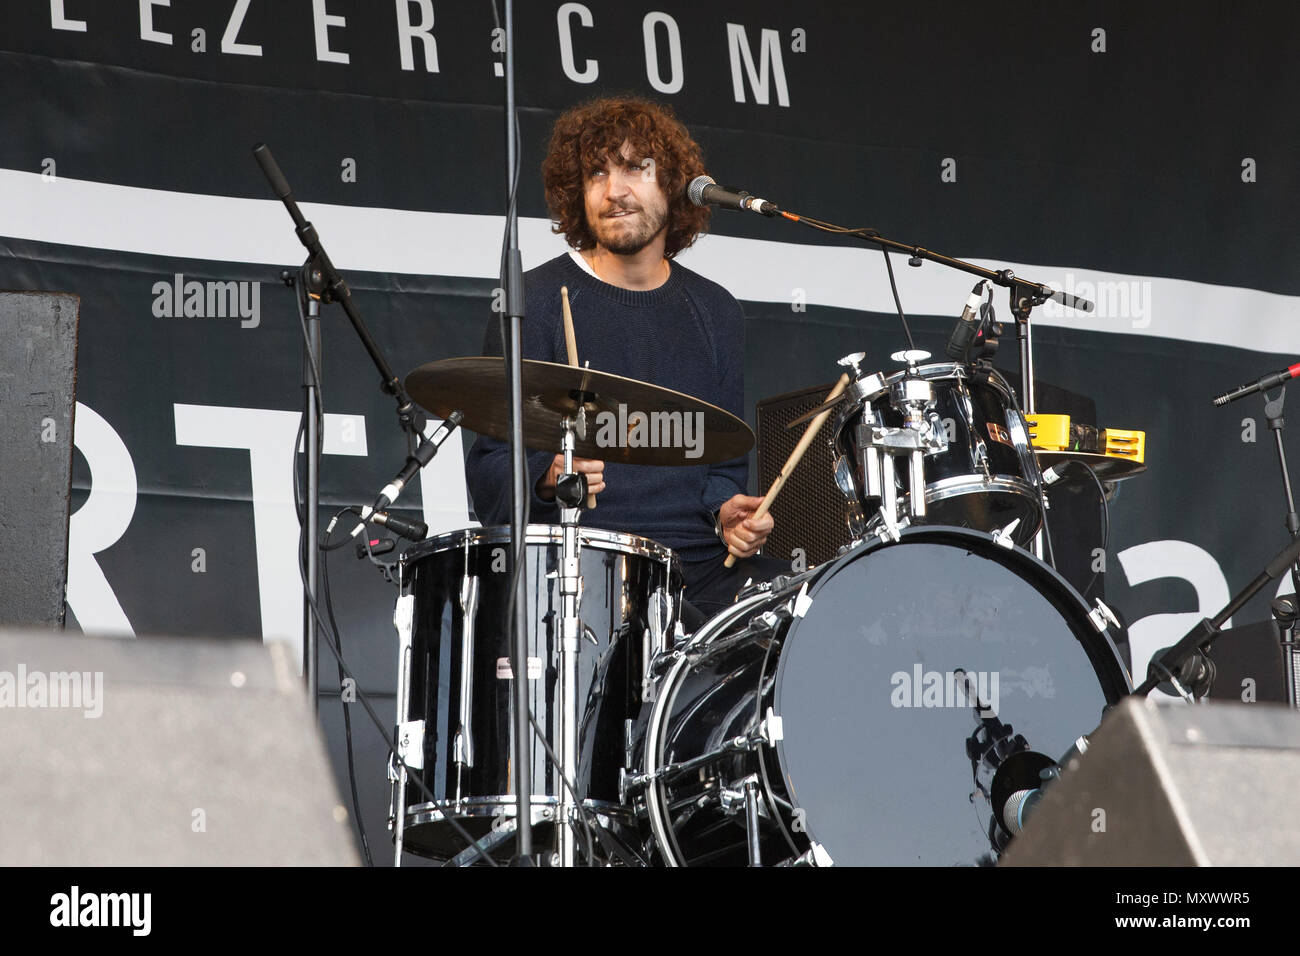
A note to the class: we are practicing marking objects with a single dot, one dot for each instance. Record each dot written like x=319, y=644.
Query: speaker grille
x=810, y=513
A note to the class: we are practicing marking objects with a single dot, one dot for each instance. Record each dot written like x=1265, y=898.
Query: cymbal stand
x=570, y=493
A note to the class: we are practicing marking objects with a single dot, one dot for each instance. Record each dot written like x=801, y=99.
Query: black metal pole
x=1276, y=422
x=311, y=505
x=513, y=283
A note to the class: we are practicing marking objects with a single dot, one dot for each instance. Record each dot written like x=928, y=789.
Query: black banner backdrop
x=1144, y=157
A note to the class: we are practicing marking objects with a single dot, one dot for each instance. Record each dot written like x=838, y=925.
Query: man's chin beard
x=629, y=245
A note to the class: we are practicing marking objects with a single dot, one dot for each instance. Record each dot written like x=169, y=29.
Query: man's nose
x=619, y=186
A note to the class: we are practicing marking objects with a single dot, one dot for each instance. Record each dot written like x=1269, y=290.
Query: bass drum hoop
x=656, y=799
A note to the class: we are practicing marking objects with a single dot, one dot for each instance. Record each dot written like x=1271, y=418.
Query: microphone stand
x=1286, y=633
x=513, y=283
x=1185, y=662
x=321, y=283
x=1024, y=295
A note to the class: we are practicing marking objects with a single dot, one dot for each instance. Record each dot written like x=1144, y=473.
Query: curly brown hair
x=587, y=136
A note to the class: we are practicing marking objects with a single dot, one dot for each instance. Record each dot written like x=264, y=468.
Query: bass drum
x=879, y=708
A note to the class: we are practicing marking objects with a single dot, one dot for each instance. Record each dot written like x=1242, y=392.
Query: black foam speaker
x=38, y=361
x=810, y=513
x=161, y=752
x=1173, y=785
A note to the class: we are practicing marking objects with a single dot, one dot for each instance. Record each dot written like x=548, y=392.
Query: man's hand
x=594, y=470
x=741, y=532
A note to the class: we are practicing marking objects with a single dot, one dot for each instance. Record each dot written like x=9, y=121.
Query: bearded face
x=625, y=207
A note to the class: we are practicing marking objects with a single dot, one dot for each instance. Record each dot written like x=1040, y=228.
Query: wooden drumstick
x=572, y=345
x=808, y=434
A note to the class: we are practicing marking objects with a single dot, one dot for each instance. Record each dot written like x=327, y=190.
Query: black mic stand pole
x=1286, y=631
x=308, y=287
x=513, y=282
x=319, y=282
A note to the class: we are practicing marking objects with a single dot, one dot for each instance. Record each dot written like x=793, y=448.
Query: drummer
x=615, y=177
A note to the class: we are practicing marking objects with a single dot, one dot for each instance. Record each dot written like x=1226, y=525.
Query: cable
x=299, y=508
x=860, y=232
x=889, y=266
x=347, y=716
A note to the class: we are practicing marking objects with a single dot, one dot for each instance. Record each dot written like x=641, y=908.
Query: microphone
x=402, y=527
x=968, y=326
x=423, y=455
x=1020, y=769
x=1272, y=380
x=703, y=191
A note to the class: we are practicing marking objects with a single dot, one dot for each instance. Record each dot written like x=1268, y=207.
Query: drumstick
x=799, y=449
x=571, y=344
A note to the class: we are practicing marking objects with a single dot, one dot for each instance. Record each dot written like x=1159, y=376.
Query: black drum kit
x=891, y=706
x=905, y=702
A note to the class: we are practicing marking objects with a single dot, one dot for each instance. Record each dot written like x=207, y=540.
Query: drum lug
x=1002, y=536
x=1102, y=617
x=410, y=743
x=771, y=730
x=816, y=855
x=890, y=528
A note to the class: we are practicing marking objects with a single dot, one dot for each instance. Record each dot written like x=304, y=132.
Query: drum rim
x=600, y=538
x=665, y=697
x=988, y=548
x=934, y=372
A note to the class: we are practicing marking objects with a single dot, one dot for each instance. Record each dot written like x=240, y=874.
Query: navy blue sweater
x=686, y=335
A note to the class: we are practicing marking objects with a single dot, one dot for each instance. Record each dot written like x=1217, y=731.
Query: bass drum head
x=910, y=663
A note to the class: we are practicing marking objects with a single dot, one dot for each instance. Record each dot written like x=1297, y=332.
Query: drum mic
x=1272, y=380
x=402, y=527
x=415, y=461
x=1016, y=806
x=968, y=326
x=703, y=191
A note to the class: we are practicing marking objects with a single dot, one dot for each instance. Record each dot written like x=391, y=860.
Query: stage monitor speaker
x=38, y=362
x=1174, y=785
x=161, y=752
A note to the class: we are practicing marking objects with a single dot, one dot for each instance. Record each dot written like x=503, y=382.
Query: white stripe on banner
x=224, y=229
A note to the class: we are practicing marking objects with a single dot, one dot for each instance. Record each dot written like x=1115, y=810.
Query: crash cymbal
x=627, y=420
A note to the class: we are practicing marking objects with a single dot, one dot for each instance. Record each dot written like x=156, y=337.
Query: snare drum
x=987, y=477
x=869, y=710
x=461, y=678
